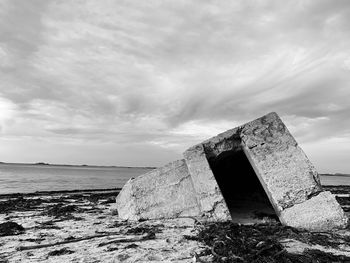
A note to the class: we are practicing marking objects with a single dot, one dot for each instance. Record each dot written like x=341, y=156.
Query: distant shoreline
x=80, y=165
x=45, y=193
x=117, y=166
x=336, y=174
x=117, y=190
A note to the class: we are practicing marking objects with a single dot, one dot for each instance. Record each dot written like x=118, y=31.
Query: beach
x=51, y=217
x=83, y=226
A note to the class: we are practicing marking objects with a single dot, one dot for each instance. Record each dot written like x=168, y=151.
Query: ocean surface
x=22, y=178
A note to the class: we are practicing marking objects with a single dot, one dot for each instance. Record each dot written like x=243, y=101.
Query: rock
x=319, y=213
x=255, y=168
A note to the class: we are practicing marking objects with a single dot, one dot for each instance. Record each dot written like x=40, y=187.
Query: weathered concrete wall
x=166, y=192
x=212, y=203
x=283, y=168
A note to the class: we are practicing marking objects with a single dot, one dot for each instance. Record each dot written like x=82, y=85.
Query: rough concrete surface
x=212, y=203
x=287, y=174
x=166, y=192
x=319, y=213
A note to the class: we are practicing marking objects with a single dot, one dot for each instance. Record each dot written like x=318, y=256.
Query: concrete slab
x=319, y=213
x=166, y=192
x=283, y=168
x=211, y=201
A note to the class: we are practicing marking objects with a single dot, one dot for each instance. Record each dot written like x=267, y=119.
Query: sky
x=136, y=83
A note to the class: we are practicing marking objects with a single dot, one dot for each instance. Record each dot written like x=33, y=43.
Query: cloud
x=169, y=74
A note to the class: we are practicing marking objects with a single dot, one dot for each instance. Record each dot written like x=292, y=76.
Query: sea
x=28, y=178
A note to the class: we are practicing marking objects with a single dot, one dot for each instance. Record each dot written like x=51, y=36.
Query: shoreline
x=56, y=192
x=78, y=165
x=63, y=191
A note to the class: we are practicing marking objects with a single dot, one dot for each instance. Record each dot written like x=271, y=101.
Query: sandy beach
x=83, y=226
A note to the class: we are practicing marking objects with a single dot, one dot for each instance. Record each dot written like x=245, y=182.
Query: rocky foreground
x=83, y=226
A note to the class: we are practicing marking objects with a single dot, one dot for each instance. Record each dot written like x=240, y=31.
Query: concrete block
x=166, y=192
x=319, y=213
x=211, y=201
x=286, y=173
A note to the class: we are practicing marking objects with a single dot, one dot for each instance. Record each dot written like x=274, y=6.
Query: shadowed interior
x=244, y=195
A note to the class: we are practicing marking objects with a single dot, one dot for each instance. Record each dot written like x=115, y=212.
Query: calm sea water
x=20, y=178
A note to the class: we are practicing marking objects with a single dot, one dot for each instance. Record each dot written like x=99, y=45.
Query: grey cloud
x=20, y=27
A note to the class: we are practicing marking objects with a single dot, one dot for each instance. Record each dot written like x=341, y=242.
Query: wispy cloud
x=165, y=74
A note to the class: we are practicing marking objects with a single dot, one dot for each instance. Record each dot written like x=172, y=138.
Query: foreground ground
x=84, y=227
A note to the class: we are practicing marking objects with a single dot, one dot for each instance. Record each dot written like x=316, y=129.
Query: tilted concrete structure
x=255, y=167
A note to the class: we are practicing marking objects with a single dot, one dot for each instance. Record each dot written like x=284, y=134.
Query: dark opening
x=244, y=195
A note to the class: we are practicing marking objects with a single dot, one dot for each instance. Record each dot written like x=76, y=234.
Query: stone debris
x=252, y=169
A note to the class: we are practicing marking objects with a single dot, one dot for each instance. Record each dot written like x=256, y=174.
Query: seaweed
x=10, y=229
x=20, y=204
x=230, y=242
x=96, y=197
x=61, y=210
x=146, y=229
x=110, y=200
x=60, y=252
x=337, y=189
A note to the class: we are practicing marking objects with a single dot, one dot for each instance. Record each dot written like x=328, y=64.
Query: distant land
x=336, y=174
x=80, y=165
x=117, y=166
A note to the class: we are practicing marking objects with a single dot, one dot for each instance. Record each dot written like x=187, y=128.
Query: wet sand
x=83, y=226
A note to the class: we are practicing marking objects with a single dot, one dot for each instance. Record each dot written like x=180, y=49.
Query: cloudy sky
x=116, y=82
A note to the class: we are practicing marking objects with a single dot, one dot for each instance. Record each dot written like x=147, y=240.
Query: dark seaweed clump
x=230, y=242
x=61, y=210
x=60, y=252
x=10, y=228
x=145, y=229
x=19, y=204
x=340, y=189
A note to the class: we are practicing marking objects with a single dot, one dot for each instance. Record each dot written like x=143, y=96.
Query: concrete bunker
x=256, y=168
x=240, y=186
